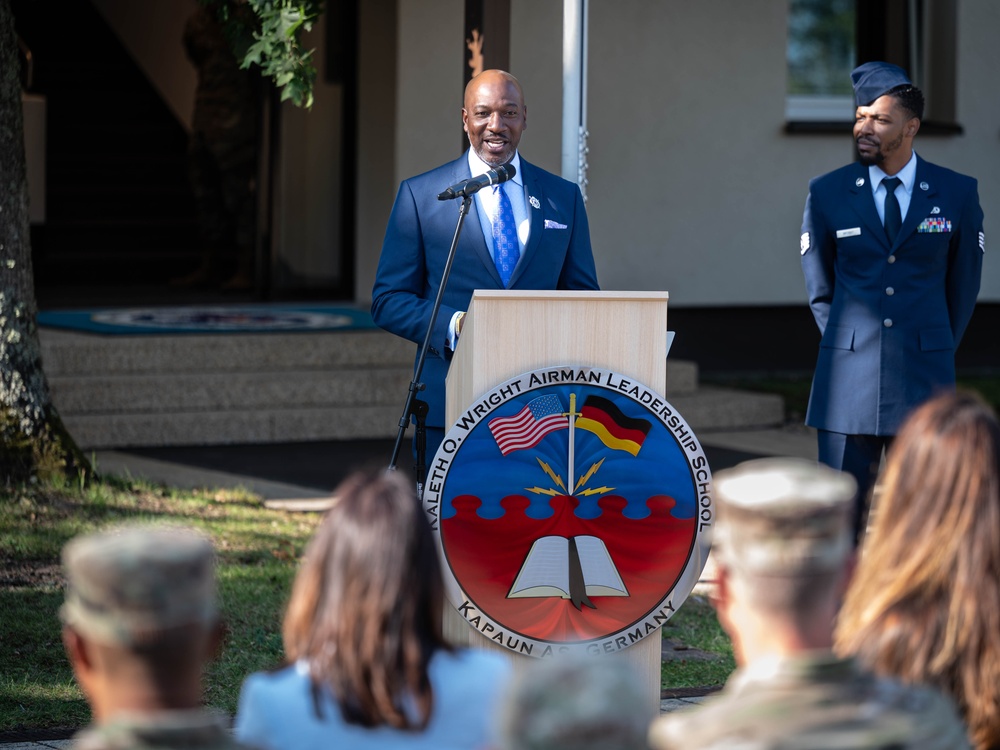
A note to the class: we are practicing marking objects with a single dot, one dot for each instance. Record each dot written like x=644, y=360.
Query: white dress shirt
x=487, y=206
x=488, y=202
x=904, y=191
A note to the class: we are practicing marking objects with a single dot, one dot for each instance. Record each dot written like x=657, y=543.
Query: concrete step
x=231, y=427
x=67, y=353
x=212, y=391
x=131, y=391
x=711, y=408
x=682, y=377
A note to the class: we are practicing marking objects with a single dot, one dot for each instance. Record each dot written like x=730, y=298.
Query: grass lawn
x=258, y=550
x=711, y=663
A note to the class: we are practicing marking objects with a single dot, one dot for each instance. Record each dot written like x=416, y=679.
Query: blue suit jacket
x=890, y=317
x=416, y=246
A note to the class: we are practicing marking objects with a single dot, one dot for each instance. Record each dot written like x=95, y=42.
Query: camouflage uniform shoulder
x=190, y=730
x=817, y=702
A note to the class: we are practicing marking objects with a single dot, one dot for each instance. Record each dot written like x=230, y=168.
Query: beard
x=870, y=160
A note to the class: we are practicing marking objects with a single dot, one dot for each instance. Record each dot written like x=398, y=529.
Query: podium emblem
x=572, y=508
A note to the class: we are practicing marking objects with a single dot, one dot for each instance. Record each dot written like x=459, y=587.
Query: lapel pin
x=935, y=210
x=860, y=181
x=924, y=186
x=534, y=202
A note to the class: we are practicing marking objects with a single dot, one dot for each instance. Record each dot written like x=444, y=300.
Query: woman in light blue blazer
x=368, y=665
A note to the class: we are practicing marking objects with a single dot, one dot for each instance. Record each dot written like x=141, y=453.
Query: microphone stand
x=413, y=406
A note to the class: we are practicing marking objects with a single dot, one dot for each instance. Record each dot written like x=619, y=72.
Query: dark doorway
x=121, y=226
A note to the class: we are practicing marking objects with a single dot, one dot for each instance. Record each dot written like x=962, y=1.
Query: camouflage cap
x=574, y=703
x=783, y=516
x=127, y=585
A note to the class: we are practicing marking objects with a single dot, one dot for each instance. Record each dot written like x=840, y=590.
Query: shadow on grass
x=258, y=552
x=37, y=687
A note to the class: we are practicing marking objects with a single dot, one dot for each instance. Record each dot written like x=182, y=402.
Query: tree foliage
x=268, y=33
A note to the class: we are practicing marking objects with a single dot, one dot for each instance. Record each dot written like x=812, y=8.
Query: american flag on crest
x=526, y=429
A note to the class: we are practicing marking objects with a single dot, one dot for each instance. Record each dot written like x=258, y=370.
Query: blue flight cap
x=874, y=79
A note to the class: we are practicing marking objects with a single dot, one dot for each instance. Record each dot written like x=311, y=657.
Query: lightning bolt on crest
x=596, y=491
x=540, y=491
x=588, y=475
x=555, y=477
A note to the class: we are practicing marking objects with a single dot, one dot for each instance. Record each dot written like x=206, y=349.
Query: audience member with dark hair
x=924, y=606
x=368, y=663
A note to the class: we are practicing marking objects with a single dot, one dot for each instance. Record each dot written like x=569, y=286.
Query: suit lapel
x=532, y=189
x=863, y=203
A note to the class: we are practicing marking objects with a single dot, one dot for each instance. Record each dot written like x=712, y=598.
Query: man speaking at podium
x=528, y=232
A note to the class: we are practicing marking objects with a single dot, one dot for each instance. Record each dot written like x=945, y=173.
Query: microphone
x=473, y=185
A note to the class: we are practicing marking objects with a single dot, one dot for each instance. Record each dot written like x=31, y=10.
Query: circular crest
x=571, y=506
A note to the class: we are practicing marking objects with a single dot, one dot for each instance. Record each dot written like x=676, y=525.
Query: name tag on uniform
x=852, y=232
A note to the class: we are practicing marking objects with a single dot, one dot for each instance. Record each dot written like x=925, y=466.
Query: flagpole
x=570, y=485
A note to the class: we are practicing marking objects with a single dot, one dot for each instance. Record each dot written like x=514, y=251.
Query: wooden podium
x=507, y=333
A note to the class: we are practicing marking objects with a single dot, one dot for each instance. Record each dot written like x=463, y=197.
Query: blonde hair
x=366, y=606
x=924, y=605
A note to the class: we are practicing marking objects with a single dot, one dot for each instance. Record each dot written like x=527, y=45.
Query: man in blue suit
x=528, y=233
x=892, y=252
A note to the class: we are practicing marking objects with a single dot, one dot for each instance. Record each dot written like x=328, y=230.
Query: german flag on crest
x=601, y=417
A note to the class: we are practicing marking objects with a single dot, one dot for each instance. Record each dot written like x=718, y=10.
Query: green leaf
x=276, y=26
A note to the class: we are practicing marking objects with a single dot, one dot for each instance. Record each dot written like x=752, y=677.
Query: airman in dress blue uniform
x=892, y=250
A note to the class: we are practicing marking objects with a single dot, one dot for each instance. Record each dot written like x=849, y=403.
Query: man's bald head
x=493, y=76
x=494, y=115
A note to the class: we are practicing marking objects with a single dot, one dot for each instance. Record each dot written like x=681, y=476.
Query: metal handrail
x=29, y=67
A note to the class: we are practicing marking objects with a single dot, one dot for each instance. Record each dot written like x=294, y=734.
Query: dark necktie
x=893, y=217
x=506, y=249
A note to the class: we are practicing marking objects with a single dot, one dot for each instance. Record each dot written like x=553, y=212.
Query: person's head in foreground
x=783, y=548
x=574, y=703
x=140, y=619
x=366, y=607
x=784, y=551
x=925, y=602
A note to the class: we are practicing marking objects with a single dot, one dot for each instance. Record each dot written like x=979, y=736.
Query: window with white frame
x=821, y=54
x=828, y=38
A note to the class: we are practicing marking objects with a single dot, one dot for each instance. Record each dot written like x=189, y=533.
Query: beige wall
x=536, y=60
x=308, y=185
x=694, y=187
x=376, y=136
x=429, y=84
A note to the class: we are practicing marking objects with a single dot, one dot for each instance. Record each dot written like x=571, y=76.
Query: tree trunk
x=33, y=441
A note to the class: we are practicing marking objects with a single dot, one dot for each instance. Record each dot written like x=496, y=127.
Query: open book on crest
x=548, y=566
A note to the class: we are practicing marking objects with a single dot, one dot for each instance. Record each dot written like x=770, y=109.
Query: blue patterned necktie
x=506, y=251
x=893, y=216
